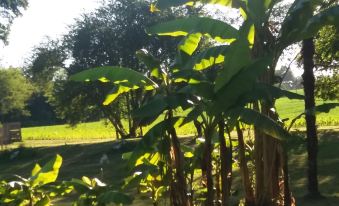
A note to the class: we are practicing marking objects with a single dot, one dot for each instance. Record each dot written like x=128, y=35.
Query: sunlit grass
x=99, y=130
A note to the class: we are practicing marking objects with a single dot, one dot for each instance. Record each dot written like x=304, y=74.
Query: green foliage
x=226, y=94
x=94, y=192
x=125, y=78
x=15, y=90
x=95, y=40
x=9, y=10
x=36, y=189
x=215, y=29
x=326, y=56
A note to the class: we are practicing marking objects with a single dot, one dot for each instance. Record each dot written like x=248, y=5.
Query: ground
x=83, y=158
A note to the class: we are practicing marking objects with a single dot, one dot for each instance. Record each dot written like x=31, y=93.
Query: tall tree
x=15, y=90
x=110, y=36
x=311, y=130
x=327, y=63
x=9, y=10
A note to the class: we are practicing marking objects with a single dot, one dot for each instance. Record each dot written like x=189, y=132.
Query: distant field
x=291, y=108
x=98, y=130
x=84, y=131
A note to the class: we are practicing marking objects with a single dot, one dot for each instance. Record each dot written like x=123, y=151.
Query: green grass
x=84, y=159
x=93, y=130
x=99, y=130
x=291, y=108
x=85, y=131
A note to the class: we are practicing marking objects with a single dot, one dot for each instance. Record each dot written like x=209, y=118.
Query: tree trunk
x=180, y=197
x=225, y=191
x=207, y=163
x=223, y=159
x=249, y=194
x=267, y=156
x=312, y=139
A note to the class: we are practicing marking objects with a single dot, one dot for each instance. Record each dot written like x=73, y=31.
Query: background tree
x=311, y=130
x=109, y=36
x=327, y=63
x=9, y=9
x=15, y=90
x=44, y=67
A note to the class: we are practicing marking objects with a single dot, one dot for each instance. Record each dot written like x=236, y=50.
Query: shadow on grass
x=84, y=160
x=328, y=168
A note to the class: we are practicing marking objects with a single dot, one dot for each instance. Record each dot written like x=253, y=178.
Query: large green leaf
x=240, y=84
x=262, y=122
x=114, y=93
x=117, y=75
x=126, y=79
x=202, y=89
x=154, y=107
x=267, y=92
x=237, y=59
x=192, y=115
x=151, y=62
x=163, y=4
x=326, y=107
x=148, y=143
x=297, y=17
x=207, y=58
x=48, y=173
x=160, y=104
x=190, y=43
x=218, y=30
x=327, y=17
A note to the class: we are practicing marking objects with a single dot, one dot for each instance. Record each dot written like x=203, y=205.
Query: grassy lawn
x=291, y=108
x=84, y=159
x=100, y=131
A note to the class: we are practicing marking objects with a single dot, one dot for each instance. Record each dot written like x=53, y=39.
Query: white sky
x=42, y=18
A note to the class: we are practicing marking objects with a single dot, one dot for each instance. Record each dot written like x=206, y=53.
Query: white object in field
x=104, y=159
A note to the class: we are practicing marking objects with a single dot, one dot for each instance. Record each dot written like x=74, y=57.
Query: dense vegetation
x=219, y=80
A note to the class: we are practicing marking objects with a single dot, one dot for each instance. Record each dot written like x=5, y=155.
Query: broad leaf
x=326, y=108
x=126, y=79
x=207, y=58
x=163, y=4
x=117, y=75
x=36, y=169
x=190, y=43
x=151, y=62
x=267, y=92
x=118, y=90
x=262, y=122
x=48, y=173
x=192, y=115
x=234, y=62
x=297, y=17
x=218, y=30
x=152, y=108
x=240, y=84
x=327, y=17
x=202, y=89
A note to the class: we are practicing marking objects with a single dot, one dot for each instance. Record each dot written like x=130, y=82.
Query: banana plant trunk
x=249, y=193
x=207, y=164
x=225, y=187
x=179, y=187
x=311, y=130
x=267, y=155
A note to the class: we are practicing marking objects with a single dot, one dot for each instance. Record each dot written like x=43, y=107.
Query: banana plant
x=300, y=23
x=95, y=192
x=35, y=190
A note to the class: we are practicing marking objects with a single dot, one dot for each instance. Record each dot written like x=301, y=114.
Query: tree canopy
x=9, y=9
x=15, y=90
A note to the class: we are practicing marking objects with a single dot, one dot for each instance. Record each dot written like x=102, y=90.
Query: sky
x=42, y=18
